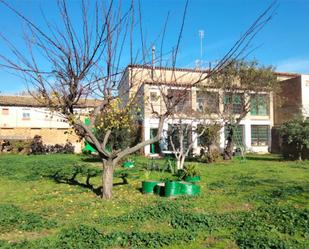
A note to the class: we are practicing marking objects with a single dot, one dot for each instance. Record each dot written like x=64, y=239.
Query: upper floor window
x=259, y=104
x=234, y=102
x=26, y=116
x=180, y=100
x=5, y=111
x=154, y=97
x=207, y=102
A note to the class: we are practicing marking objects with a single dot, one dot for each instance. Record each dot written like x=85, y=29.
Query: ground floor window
x=238, y=135
x=259, y=135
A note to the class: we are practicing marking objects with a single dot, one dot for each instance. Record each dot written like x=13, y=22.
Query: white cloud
x=293, y=65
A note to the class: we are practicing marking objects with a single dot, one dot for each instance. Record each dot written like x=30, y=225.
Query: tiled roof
x=199, y=70
x=6, y=100
x=169, y=68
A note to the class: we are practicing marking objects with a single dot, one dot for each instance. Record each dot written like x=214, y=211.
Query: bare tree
x=82, y=60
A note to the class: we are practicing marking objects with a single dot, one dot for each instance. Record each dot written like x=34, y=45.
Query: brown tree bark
x=228, y=151
x=107, y=179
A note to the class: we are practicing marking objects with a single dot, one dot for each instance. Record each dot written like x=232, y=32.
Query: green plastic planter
x=128, y=164
x=172, y=189
x=148, y=186
x=159, y=189
x=189, y=188
x=193, y=179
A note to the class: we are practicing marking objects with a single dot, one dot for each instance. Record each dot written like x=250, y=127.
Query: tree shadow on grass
x=264, y=158
x=87, y=185
x=91, y=159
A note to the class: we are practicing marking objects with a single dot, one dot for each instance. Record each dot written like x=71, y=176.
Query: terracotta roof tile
x=6, y=100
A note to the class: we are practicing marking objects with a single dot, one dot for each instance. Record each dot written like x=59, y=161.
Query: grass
x=260, y=203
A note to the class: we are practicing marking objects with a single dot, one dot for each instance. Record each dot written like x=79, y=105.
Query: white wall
x=153, y=123
x=38, y=118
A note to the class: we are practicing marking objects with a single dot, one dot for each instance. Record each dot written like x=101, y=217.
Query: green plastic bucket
x=192, y=178
x=128, y=164
x=189, y=188
x=148, y=186
x=172, y=189
x=159, y=189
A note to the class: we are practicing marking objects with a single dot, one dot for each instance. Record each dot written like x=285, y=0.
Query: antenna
x=153, y=56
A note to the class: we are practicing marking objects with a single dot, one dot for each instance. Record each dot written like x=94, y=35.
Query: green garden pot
x=172, y=189
x=189, y=188
x=193, y=179
x=159, y=189
x=128, y=164
x=148, y=186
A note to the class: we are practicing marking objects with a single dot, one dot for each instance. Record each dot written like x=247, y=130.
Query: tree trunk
x=228, y=151
x=107, y=179
x=300, y=150
x=180, y=161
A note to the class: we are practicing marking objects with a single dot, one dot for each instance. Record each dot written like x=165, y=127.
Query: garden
x=53, y=201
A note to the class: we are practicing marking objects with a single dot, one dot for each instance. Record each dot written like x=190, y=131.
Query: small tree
x=295, y=138
x=242, y=86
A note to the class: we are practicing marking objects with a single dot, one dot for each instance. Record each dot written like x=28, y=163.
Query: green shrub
x=295, y=138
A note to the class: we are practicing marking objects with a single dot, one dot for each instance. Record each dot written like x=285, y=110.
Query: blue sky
x=284, y=43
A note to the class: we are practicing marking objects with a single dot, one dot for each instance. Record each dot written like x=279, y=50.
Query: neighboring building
x=22, y=117
x=254, y=131
x=292, y=99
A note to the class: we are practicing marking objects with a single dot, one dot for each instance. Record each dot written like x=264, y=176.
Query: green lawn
x=260, y=203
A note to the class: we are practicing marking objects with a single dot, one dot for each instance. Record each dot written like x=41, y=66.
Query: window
x=154, y=97
x=259, y=135
x=5, y=111
x=234, y=102
x=207, y=101
x=238, y=135
x=26, y=116
x=180, y=100
x=259, y=105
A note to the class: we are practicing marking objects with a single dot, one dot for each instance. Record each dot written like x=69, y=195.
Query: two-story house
x=254, y=130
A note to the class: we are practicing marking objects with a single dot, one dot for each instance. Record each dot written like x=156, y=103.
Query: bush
x=37, y=147
x=15, y=146
x=295, y=138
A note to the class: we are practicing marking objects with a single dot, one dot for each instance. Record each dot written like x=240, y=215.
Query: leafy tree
x=295, y=137
x=242, y=86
